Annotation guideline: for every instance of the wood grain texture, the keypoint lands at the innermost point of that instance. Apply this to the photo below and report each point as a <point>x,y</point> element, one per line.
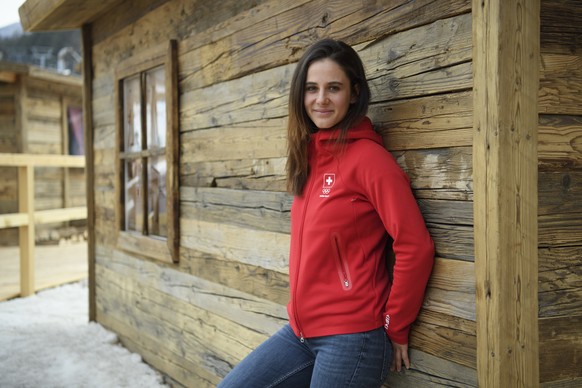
<point>505,68</point>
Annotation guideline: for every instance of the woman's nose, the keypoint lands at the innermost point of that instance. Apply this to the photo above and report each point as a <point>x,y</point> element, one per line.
<point>322,97</point>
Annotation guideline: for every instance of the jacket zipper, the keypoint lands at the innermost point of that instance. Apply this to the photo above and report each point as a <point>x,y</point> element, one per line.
<point>343,271</point>
<point>307,198</point>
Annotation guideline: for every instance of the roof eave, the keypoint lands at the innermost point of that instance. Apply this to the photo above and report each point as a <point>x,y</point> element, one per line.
<point>51,15</point>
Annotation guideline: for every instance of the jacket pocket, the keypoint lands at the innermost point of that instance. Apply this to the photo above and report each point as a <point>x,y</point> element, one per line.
<point>343,270</point>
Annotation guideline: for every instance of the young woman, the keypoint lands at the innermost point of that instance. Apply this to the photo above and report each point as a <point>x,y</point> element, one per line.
<point>348,319</point>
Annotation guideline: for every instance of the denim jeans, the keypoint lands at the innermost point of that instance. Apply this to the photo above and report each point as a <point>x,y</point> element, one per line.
<point>283,361</point>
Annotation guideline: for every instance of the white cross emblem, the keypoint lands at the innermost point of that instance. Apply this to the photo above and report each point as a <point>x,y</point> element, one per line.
<point>328,180</point>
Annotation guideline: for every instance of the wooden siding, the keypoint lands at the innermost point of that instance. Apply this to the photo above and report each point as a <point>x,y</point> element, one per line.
<point>195,320</point>
<point>560,194</point>
<point>229,291</point>
<point>32,120</point>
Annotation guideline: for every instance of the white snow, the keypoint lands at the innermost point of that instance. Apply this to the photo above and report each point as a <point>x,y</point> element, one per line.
<point>47,341</point>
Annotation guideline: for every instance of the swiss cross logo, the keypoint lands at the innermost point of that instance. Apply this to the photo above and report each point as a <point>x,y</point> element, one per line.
<point>328,181</point>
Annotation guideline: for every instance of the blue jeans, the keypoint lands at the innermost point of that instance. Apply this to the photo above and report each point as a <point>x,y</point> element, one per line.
<point>283,361</point>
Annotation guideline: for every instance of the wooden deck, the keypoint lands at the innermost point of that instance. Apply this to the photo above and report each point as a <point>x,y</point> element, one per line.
<point>55,265</point>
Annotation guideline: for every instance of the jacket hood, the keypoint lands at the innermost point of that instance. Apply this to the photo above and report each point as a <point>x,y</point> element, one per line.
<point>362,130</point>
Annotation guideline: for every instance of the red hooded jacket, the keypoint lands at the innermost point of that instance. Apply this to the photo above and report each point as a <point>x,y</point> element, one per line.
<point>353,198</point>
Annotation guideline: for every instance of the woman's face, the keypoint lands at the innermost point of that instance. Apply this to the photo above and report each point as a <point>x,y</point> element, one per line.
<point>328,93</point>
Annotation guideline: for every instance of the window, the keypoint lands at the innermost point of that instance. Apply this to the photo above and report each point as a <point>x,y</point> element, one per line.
<point>147,164</point>
<point>75,131</point>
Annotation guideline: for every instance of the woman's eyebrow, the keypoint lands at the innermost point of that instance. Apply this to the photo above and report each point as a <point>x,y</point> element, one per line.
<point>328,83</point>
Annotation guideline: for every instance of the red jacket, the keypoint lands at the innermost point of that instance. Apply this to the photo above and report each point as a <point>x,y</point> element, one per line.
<point>338,278</point>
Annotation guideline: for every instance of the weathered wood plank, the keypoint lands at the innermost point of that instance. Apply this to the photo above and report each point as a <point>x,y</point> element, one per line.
<point>185,371</point>
<point>443,168</point>
<point>256,209</point>
<point>560,84</point>
<point>426,122</point>
<point>560,208</point>
<point>560,30</point>
<point>215,173</point>
<point>453,241</point>
<point>561,341</point>
<point>188,331</point>
<point>444,342</point>
<point>255,97</point>
<point>268,250</point>
<point>257,314</point>
<point>560,287</point>
<point>451,290</point>
<point>281,40</point>
<point>439,211</point>
<point>560,141</point>
<point>264,93</point>
<point>253,140</point>
<point>250,279</point>
<point>428,371</point>
<point>506,75</point>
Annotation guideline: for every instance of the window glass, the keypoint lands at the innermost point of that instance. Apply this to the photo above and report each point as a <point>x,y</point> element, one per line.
<point>133,196</point>
<point>156,108</point>
<point>75,130</point>
<point>157,215</point>
<point>132,114</point>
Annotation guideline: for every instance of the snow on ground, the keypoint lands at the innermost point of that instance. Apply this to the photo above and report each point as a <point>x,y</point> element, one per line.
<point>46,341</point>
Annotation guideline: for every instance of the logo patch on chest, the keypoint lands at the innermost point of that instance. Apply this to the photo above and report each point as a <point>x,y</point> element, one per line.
<point>328,182</point>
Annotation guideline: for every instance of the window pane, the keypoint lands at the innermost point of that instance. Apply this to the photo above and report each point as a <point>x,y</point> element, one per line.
<point>156,108</point>
<point>131,114</point>
<point>157,215</point>
<point>133,196</point>
<point>75,130</point>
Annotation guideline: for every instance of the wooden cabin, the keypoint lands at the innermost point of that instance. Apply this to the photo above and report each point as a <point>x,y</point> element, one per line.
<point>479,101</point>
<point>41,113</point>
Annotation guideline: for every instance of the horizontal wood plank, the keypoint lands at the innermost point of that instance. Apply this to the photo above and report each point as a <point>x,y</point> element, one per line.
<point>428,371</point>
<point>561,341</point>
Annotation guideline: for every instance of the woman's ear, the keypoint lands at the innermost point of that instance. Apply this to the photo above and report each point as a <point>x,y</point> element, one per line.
<point>355,94</point>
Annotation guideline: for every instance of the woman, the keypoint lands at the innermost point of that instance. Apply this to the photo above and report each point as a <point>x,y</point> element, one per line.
<point>348,322</point>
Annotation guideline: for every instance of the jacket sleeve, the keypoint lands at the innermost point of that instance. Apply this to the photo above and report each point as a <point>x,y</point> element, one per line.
<point>388,189</point>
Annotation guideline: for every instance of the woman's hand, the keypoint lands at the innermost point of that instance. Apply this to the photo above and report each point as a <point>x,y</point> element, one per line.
<point>400,355</point>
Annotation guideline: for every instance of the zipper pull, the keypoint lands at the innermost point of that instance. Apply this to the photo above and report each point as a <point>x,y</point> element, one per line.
<point>301,339</point>
<point>346,283</point>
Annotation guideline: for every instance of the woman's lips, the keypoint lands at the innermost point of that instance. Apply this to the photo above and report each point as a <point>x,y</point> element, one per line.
<point>322,111</point>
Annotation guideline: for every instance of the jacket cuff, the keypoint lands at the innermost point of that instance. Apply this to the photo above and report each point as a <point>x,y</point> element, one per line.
<point>400,336</point>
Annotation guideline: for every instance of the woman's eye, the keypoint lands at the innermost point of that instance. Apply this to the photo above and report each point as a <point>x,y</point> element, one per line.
<point>310,88</point>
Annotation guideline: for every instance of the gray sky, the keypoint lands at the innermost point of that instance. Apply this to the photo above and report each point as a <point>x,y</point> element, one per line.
<point>9,11</point>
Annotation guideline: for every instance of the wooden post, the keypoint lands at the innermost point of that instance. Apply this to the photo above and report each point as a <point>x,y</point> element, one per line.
<point>506,37</point>
<point>89,162</point>
<point>26,232</point>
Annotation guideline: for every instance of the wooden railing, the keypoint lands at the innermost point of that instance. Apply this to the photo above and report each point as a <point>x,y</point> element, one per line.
<point>27,217</point>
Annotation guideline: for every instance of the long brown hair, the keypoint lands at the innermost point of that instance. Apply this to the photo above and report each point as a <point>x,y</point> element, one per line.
<point>300,126</point>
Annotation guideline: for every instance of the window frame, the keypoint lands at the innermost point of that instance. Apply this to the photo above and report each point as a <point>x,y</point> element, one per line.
<point>159,248</point>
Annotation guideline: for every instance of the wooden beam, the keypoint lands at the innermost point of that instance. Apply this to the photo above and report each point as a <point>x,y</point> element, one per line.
<point>13,220</point>
<point>26,232</point>
<point>505,70</point>
<point>60,215</point>
<point>19,160</point>
<point>8,76</point>
<point>43,217</point>
<point>86,35</point>
<point>43,15</point>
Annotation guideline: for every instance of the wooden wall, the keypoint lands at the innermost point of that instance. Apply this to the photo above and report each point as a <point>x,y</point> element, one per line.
<point>560,194</point>
<point>33,120</point>
<point>9,142</point>
<point>195,320</point>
